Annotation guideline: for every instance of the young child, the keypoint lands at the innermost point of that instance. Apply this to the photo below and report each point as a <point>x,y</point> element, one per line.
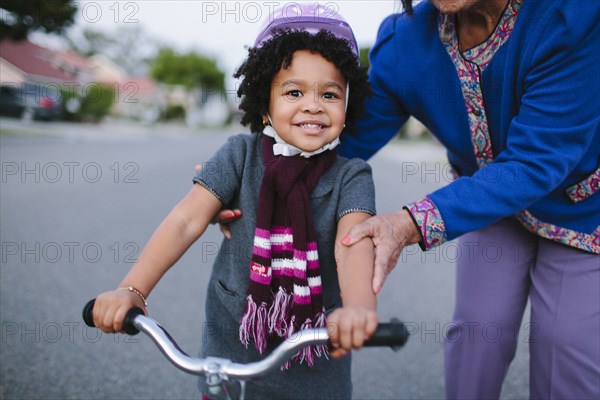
<point>284,269</point>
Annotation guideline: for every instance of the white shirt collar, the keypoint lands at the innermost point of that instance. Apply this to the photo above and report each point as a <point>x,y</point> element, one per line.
<point>287,150</point>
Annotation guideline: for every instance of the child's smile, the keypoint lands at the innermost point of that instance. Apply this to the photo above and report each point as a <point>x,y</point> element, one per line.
<point>307,106</point>
<point>312,127</point>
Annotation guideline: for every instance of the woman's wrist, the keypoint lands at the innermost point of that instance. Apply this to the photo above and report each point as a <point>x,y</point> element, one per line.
<point>413,234</point>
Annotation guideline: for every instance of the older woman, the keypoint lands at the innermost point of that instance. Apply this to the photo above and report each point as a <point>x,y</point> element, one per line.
<point>510,88</point>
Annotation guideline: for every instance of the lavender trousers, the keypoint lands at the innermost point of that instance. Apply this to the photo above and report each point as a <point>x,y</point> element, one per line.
<point>498,270</point>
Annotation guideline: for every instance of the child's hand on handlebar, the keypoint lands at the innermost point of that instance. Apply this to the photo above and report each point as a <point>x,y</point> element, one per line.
<point>349,327</point>
<point>110,309</point>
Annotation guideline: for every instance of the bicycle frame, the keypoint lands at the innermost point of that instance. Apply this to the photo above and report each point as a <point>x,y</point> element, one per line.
<point>221,373</point>
<point>226,379</point>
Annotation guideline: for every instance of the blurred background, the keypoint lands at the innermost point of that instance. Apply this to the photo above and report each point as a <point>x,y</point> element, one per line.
<point>145,61</point>
<point>105,108</point>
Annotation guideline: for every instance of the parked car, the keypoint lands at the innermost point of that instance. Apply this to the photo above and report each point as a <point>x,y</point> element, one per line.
<point>30,101</point>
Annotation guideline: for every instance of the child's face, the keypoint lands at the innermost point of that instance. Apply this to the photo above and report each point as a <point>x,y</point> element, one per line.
<point>308,101</point>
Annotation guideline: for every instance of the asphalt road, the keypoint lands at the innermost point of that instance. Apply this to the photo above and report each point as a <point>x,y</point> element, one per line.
<point>77,204</point>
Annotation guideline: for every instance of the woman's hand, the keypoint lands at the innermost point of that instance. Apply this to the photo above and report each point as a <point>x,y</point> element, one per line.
<point>224,217</point>
<point>390,234</point>
<point>349,327</point>
<point>111,307</point>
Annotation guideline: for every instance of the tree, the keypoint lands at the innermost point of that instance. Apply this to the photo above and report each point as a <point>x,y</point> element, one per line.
<point>89,42</point>
<point>364,57</point>
<point>93,104</point>
<point>97,102</point>
<point>191,70</point>
<point>128,46</point>
<point>19,17</point>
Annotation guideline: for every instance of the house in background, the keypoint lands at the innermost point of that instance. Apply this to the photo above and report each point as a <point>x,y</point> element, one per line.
<point>10,73</point>
<point>75,65</point>
<point>141,98</point>
<point>24,61</point>
<point>51,73</point>
<point>25,65</point>
<point>138,98</point>
<point>31,80</point>
<point>105,70</point>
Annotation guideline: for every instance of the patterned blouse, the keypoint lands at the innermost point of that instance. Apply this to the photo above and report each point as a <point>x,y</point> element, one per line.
<point>470,65</point>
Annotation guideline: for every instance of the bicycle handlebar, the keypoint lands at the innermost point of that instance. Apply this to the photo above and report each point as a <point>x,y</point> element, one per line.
<point>393,334</point>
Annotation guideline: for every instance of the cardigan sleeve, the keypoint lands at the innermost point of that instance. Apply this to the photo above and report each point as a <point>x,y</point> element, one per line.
<point>554,127</point>
<point>384,114</point>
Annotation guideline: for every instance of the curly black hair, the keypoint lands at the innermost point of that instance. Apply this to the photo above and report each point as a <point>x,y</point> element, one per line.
<point>263,63</point>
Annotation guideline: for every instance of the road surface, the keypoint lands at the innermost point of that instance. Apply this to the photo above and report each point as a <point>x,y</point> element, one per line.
<point>78,202</point>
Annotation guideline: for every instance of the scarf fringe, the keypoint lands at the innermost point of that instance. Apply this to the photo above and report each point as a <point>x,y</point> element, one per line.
<point>309,354</point>
<point>258,324</point>
<point>261,335</point>
<point>247,321</point>
<point>278,313</point>
<point>253,325</point>
<point>290,332</point>
<point>321,350</point>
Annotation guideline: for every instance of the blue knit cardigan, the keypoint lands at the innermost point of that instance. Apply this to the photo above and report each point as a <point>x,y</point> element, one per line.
<point>542,100</point>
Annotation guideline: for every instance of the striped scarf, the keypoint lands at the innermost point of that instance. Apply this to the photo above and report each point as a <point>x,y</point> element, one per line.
<point>285,292</point>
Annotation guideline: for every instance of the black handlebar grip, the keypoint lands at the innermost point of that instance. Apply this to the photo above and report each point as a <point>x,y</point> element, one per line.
<point>88,316</point>
<point>393,334</point>
<point>128,326</point>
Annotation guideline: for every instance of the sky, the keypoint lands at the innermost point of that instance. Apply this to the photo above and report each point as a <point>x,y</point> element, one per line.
<point>219,29</point>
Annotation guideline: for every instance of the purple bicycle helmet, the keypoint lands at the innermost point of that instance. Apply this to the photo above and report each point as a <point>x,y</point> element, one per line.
<point>310,18</point>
